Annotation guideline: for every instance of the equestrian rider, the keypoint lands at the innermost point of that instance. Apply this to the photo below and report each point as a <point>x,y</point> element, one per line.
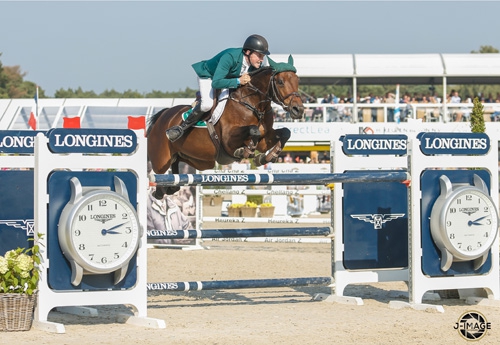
<point>226,70</point>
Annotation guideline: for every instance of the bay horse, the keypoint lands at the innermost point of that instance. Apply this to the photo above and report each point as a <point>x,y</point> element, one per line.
<point>245,126</point>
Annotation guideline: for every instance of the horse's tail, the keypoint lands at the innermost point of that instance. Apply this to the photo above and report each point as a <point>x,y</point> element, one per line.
<point>153,119</point>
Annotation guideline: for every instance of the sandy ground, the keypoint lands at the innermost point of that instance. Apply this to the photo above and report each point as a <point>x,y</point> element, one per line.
<point>265,316</point>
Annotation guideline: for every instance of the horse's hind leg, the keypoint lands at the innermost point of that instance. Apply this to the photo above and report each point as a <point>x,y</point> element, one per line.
<point>161,190</point>
<point>281,136</point>
<point>175,170</point>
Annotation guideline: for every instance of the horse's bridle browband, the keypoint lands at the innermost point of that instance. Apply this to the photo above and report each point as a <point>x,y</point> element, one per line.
<point>274,97</point>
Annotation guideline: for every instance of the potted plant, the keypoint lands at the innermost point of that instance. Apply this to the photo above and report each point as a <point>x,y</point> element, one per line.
<point>249,209</point>
<point>234,210</point>
<point>19,275</point>
<point>266,210</point>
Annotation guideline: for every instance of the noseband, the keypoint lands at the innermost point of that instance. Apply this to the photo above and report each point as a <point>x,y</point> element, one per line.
<point>274,95</point>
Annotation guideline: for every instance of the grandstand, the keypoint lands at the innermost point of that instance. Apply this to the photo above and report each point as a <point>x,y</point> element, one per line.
<point>335,69</point>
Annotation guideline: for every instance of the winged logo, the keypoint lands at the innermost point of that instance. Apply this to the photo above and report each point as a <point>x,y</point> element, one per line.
<point>377,219</point>
<point>25,224</point>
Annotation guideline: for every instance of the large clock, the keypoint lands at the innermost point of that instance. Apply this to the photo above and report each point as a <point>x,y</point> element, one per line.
<point>463,222</point>
<point>99,231</point>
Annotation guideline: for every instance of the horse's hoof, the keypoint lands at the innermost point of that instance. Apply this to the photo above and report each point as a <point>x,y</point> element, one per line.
<point>172,190</point>
<point>158,194</point>
<point>244,152</point>
<point>260,160</point>
<point>238,153</point>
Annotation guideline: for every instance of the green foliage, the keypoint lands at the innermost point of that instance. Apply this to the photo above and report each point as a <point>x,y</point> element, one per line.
<point>13,85</point>
<point>19,271</point>
<point>255,199</point>
<point>476,119</point>
<point>485,50</point>
<point>79,93</point>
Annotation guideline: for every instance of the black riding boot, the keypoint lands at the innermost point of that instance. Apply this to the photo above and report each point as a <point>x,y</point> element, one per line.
<point>176,132</point>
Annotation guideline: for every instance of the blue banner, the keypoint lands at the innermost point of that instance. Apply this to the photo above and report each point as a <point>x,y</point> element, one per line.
<point>433,143</point>
<point>374,144</point>
<point>92,140</point>
<point>22,142</point>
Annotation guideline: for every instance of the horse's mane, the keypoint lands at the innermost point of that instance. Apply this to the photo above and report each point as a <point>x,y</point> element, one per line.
<point>260,70</point>
<point>152,120</point>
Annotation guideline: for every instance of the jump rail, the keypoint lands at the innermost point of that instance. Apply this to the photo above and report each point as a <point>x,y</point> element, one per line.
<point>261,179</point>
<point>279,179</point>
<point>239,284</point>
<point>234,233</point>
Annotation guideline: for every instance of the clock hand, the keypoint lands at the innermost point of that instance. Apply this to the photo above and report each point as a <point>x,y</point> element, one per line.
<point>110,230</point>
<point>476,222</point>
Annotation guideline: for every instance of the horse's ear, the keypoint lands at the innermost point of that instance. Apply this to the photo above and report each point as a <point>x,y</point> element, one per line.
<point>290,59</point>
<point>271,62</point>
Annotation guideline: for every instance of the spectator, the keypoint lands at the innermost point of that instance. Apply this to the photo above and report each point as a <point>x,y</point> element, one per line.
<point>390,98</point>
<point>374,100</point>
<point>164,214</point>
<point>455,98</point>
<point>344,113</point>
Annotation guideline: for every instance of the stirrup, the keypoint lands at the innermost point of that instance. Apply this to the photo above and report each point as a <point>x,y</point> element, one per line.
<point>174,133</point>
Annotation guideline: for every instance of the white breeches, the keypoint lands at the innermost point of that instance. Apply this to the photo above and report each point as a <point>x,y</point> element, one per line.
<point>206,93</point>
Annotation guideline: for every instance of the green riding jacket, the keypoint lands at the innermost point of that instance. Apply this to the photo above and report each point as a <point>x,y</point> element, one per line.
<point>224,68</point>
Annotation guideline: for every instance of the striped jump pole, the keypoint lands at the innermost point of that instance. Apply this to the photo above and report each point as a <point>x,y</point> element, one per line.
<point>236,233</point>
<point>280,179</point>
<point>239,284</point>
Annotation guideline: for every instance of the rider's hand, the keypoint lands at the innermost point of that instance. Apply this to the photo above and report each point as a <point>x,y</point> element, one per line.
<point>244,79</point>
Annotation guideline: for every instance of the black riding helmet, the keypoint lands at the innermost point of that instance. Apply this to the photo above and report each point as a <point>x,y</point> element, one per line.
<point>256,43</point>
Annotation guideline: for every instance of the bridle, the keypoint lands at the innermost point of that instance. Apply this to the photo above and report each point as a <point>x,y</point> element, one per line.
<point>277,96</point>
<point>272,94</point>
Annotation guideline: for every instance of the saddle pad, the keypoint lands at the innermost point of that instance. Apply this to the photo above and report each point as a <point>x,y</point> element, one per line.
<point>217,113</point>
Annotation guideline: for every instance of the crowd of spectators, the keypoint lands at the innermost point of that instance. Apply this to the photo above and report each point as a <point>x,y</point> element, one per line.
<point>341,107</point>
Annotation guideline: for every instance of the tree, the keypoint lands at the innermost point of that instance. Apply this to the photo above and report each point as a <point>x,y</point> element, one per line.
<point>78,93</point>
<point>13,85</point>
<point>476,119</point>
<point>485,50</point>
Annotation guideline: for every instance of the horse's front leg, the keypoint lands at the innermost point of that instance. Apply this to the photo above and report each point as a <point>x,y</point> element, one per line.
<point>272,144</point>
<point>248,151</point>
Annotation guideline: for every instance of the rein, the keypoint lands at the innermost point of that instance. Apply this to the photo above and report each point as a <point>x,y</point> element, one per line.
<point>275,96</point>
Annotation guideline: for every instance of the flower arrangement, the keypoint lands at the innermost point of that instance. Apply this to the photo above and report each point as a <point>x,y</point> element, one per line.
<point>266,210</point>
<point>250,204</point>
<point>19,272</point>
<point>235,206</point>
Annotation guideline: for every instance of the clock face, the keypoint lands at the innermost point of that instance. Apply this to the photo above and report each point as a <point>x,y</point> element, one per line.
<point>471,222</point>
<point>104,231</point>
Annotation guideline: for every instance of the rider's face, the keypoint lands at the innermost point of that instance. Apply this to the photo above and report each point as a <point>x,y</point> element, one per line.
<point>256,59</point>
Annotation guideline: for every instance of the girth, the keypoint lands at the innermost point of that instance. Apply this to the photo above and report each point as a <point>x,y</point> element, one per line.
<point>221,155</point>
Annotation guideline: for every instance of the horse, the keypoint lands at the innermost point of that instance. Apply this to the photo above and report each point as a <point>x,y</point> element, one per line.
<point>245,126</point>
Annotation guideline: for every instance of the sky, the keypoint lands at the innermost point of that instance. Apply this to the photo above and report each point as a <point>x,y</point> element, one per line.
<point>150,45</point>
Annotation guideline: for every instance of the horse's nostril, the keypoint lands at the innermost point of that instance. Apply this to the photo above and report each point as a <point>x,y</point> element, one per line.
<point>299,110</point>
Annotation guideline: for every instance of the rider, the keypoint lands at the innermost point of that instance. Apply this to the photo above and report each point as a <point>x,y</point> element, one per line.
<point>228,69</point>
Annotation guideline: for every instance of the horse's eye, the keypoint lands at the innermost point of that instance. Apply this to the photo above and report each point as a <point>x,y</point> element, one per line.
<point>281,82</point>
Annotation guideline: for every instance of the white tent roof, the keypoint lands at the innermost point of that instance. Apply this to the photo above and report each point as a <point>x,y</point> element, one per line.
<point>396,68</point>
